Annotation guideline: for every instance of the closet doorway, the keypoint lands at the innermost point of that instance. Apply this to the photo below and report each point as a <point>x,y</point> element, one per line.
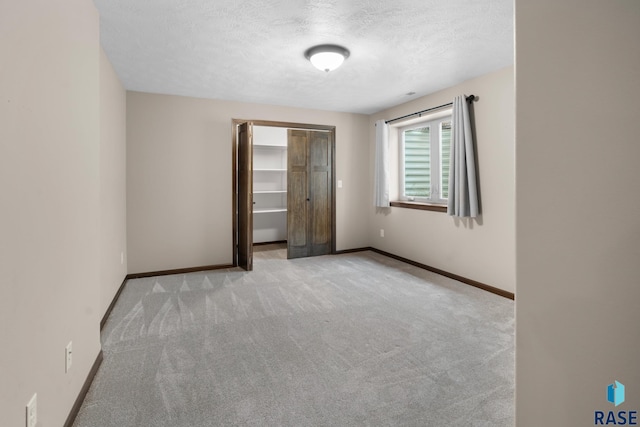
<point>283,188</point>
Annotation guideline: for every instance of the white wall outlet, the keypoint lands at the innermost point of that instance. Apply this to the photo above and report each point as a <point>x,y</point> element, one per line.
<point>68,356</point>
<point>382,232</point>
<point>339,183</point>
<point>121,257</point>
<point>32,411</point>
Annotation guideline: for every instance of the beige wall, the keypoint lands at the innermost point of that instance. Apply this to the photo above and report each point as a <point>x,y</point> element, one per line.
<point>482,249</point>
<point>578,208</point>
<point>113,187</point>
<point>49,204</point>
<point>179,179</point>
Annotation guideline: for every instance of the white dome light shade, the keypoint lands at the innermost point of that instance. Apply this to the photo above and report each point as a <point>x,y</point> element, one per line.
<point>327,57</point>
<point>327,61</point>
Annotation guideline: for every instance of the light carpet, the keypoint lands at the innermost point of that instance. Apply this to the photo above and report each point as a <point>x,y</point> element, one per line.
<point>345,340</point>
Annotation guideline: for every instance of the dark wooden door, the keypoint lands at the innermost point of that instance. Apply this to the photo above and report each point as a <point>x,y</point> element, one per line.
<point>297,193</point>
<point>245,196</point>
<point>320,191</point>
<point>309,193</point>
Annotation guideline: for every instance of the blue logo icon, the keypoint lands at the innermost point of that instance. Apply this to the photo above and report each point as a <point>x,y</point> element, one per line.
<point>615,393</point>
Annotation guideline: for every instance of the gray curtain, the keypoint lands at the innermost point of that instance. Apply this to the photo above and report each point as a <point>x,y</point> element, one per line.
<point>463,191</point>
<point>381,174</point>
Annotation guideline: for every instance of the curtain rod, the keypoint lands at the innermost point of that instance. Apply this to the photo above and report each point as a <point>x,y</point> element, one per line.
<point>469,98</point>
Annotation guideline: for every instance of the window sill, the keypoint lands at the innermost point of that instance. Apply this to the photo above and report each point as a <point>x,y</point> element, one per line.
<point>419,206</point>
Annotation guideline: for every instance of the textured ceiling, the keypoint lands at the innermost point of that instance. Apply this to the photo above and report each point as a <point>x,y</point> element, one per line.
<point>253,50</point>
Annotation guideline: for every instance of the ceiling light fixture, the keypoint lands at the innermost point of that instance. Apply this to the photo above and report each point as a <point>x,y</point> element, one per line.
<point>327,57</point>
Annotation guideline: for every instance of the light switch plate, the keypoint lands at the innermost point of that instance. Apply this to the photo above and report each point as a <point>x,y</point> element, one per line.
<point>68,353</point>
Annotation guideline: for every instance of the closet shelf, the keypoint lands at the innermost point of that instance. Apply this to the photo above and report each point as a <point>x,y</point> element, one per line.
<point>275,147</point>
<point>272,210</point>
<point>269,184</point>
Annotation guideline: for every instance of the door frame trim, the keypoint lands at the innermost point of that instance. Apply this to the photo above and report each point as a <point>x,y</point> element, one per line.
<point>234,172</point>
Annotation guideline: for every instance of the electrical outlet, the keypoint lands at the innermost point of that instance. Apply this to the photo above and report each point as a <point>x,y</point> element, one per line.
<point>32,411</point>
<point>68,360</point>
<point>382,232</point>
<point>121,257</point>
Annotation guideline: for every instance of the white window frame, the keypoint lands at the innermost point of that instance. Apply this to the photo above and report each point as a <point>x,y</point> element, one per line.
<point>434,123</point>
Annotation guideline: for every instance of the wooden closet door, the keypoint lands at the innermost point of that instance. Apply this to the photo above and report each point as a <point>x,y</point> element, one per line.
<point>320,189</point>
<point>245,196</point>
<point>297,193</point>
<point>309,193</point>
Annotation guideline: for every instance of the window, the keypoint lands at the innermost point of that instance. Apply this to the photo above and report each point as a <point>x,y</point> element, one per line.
<point>425,149</point>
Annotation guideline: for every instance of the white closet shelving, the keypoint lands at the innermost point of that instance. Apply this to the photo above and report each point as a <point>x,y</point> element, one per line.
<point>269,184</point>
